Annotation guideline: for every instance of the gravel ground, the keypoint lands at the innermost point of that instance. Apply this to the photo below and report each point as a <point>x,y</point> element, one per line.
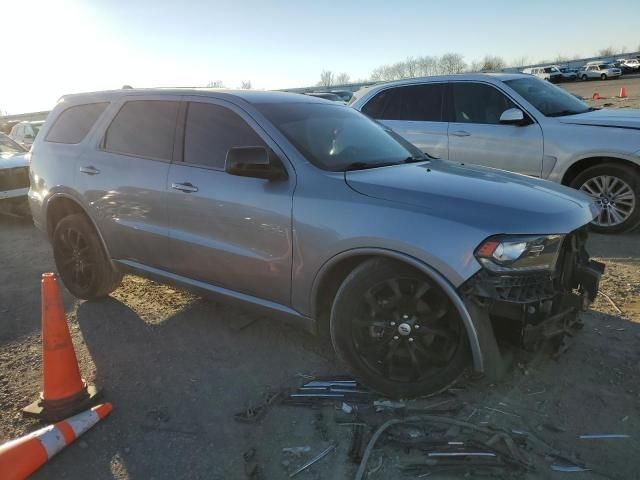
<point>177,367</point>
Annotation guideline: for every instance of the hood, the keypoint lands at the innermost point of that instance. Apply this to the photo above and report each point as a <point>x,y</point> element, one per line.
<point>488,199</point>
<point>11,160</point>
<point>606,117</point>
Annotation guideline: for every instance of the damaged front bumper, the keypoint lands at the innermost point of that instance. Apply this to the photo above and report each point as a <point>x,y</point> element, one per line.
<point>528,308</point>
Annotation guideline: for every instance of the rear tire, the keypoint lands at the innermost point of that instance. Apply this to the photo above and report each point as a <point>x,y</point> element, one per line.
<point>81,261</point>
<point>584,78</point>
<point>373,330</point>
<point>616,189</point>
<point>603,76</point>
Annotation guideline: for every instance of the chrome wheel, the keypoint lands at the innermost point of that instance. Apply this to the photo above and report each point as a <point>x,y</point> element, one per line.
<point>615,199</point>
<point>403,330</point>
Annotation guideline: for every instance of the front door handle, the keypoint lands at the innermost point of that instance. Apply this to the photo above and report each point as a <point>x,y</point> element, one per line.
<point>89,170</point>
<point>184,187</point>
<point>460,133</point>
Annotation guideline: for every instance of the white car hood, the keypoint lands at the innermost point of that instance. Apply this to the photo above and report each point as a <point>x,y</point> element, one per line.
<point>12,160</point>
<point>621,118</point>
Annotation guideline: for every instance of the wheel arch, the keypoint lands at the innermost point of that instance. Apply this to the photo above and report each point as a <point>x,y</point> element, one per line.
<point>61,205</point>
<point>587,162</point>
<point>336,269</point>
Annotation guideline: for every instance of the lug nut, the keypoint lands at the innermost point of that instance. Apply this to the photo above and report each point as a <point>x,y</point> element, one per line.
<point>395,337</point>
<point>416,326</point>
<point>393,324</point>
<point>405,316</point>
<point>411,339</point>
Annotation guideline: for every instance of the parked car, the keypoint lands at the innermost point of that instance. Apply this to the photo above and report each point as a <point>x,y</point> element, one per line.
<point>568,74</point>
<point>624,69</point>
<point>309,209</point>
<point>14,177</point>
<point>518,122</point>
<point>549,73</point>
<point>326,95</point>
<point>25,132</point>
<point>632,64</point>
<point>345,95</point>
<point>603,71</point>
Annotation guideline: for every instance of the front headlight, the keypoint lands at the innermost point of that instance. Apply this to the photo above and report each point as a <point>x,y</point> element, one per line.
<point>519,253</point>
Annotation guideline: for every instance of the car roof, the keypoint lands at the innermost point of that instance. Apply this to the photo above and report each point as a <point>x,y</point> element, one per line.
<point>249,96</point>
<point>459,76</point>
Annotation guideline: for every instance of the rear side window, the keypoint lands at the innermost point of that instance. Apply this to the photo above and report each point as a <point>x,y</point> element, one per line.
<point>414,102</point>
<point>73,124</point>
<point>211,130</point>
<point>143,128</point>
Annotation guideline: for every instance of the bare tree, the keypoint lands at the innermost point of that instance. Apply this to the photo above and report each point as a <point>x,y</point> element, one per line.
<point>342,79</point>
<point>326,78</point>
<point>489,63</point>
<point>520,62</point>
<point>451,63</point>
<point>215,84</point>
<point>606,52</point>
<point>427,65</point>
<point>245,85</point>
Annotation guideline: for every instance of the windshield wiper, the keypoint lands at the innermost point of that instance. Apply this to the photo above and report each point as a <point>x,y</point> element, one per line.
<point>365,165</point>
<point>562,113</point>
<point>415,159</point>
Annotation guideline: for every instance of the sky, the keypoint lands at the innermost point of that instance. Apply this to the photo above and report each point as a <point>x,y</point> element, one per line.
<point>55,47</point>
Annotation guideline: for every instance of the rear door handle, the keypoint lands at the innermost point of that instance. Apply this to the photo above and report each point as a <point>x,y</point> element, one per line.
<point>90,170</point>
<point>184,187</point>
<point>460,133</point>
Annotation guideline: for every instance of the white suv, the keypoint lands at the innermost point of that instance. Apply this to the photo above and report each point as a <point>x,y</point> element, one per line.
<point>550,73</point>
<point>603,71</point>
<point>523,124</point>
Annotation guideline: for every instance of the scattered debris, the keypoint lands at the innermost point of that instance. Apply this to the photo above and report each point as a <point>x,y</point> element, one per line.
<point>346,408</point>
<point>321,392</point>
<point>297,450</point>
<point>554,428</point>
<point>611,302</point>
<point>253,414</point>
<point>603,436</point>
<point>318,457</point>
<point>568,468</point>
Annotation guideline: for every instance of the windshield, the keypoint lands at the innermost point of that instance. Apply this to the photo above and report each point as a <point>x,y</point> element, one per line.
<point>337,138</point>
<point>550,100</point>
<point>9,146</point>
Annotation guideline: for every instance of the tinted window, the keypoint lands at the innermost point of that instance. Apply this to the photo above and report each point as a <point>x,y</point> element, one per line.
<point>478,103</point>
<point>415,102</point>
<point>336,137</point>
<point>73,124</point>
<point>143,128</point>
<point>211,131</point>
<point>375,107</point>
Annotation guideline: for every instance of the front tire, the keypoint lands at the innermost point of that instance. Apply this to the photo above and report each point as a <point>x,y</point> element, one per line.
<point>81,261</point>
<point>398,331</point>
<point>603,76</point>
<point>584,78</point>
<point>616,190</point>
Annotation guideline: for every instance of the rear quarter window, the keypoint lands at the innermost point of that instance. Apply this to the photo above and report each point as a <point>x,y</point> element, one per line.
<point>74,123</point>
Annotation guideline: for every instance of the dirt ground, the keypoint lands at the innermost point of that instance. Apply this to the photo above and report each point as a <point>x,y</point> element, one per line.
<point>177,368</point>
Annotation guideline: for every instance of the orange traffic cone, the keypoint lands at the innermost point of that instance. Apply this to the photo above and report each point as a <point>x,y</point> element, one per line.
<point>623,92</point>
<point>596,96</point>
<point>21,457</point>
<point>64,391</point>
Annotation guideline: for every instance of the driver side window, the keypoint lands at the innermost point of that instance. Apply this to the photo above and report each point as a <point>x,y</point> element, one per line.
<point>478,103</point>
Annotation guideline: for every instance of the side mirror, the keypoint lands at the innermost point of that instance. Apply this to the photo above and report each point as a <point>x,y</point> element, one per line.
<point>512,116</point>
<point>252,162</point>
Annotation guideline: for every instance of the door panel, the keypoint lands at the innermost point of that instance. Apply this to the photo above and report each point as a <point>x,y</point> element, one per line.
<point>430,137</point>
<point>476,135</point>
<point>126,191</point>
<point>226,230</point>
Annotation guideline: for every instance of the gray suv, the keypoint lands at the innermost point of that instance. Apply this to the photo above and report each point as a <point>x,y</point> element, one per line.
<point>309,210</point>
<point>520,123</point>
